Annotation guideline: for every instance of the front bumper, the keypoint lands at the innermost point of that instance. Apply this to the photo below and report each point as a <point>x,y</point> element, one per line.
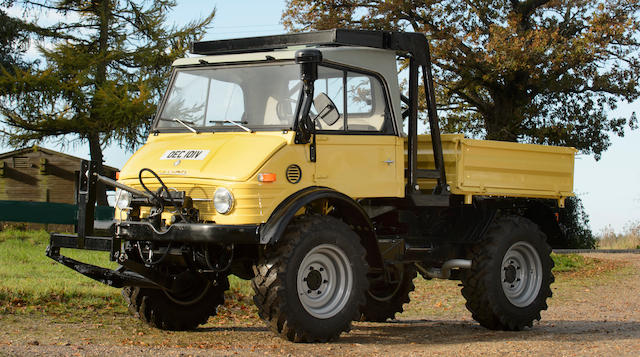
<point>189,233</point>
<point>135,274</point>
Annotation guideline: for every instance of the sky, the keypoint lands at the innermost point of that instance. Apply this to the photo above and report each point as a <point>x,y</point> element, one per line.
<point>609,188</point>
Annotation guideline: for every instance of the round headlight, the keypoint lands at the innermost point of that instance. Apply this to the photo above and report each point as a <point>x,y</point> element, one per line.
<point>223,200</point>
<point>123,199</point>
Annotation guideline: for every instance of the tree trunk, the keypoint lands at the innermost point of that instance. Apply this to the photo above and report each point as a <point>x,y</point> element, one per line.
<point>101,76</point>
<point>501,122</point>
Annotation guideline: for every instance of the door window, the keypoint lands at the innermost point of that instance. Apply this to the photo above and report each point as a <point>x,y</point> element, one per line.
<point>362,106</point>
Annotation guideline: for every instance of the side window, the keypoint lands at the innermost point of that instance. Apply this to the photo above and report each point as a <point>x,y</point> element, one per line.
<point>331,82</point>
<point>359,98</point>
<point>366,105</point>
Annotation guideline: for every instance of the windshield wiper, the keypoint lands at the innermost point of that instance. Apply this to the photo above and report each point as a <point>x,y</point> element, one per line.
<point>184,123</point>
<point>234,123</point>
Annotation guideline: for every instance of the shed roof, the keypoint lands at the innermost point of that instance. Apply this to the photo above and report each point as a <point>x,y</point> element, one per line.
<point>36,148</point>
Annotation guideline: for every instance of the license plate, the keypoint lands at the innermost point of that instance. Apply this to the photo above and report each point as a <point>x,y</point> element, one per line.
<point>185,155</point>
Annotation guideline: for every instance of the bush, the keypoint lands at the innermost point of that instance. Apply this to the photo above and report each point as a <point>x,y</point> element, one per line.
<point>575,223</point>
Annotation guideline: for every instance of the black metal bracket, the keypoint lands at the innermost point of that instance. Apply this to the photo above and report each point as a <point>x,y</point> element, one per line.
<point>116,278</point>
<point>86,200</point>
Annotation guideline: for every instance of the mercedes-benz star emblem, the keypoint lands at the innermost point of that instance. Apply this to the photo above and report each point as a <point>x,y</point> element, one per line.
<point>176,163</point>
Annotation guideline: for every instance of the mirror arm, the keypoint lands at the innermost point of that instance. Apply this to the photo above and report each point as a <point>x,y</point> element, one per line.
<point>312,147</point>
<point>303,130</point>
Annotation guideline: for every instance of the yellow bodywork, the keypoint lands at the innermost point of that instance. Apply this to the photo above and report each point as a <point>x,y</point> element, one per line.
<point>234,161</point>
<point>497,168</point>
<point>359,166</point>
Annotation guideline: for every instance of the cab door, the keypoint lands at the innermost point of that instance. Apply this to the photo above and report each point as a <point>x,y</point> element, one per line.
<point>358,155</point>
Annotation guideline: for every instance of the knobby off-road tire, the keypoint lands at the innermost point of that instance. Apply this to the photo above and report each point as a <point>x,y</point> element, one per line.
<point>311,284</point>
<point>510,276</point>
<point>164,311</point>
<point>384,300</point>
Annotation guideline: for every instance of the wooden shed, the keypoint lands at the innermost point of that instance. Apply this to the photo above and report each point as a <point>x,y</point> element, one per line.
<point>41,175</point>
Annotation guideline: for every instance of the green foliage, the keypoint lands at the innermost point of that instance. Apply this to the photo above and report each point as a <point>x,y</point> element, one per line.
<point>523,70</point>
<point>575,223</point>
<point>102,76</point>
<point>13,39</point>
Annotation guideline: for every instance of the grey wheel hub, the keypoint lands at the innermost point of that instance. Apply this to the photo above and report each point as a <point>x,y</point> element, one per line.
<point>324,281</point>
<point>521,274</point>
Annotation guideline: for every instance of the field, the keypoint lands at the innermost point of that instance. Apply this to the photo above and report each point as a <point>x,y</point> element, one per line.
<point>628,239</point>
<point>49,309</point>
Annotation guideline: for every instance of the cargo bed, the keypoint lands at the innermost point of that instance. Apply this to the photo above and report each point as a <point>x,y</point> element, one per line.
<point>497,168</point>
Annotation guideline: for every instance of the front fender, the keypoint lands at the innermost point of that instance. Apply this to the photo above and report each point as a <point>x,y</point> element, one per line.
<point>346,209</point>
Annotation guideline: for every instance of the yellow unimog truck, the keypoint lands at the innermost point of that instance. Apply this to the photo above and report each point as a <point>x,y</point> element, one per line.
<point>284,160</point>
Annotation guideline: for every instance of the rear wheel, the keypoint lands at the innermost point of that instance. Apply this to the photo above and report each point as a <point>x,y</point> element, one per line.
<point>510,276</point>
<point>386,297</point>
<point>311,284</point>
<point>184,311</point>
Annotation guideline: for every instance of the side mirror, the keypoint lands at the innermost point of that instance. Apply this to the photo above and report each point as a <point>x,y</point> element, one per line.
<point>326,109</point>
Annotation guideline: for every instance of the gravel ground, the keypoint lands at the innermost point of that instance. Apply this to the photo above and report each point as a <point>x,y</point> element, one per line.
<point>596,315</point>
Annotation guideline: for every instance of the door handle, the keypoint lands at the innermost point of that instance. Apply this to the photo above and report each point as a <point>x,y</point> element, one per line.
<point>388,161</point>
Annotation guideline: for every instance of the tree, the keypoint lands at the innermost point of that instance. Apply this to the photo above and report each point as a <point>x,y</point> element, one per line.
<point>13,39</point>
<point>107,66</point>
<point>539,71</point>
<point>574,221</point>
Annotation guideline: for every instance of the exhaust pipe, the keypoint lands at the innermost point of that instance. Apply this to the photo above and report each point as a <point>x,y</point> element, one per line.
<point>445,271</point>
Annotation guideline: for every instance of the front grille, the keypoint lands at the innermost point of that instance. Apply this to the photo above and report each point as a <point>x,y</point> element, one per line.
<point>294,174</point>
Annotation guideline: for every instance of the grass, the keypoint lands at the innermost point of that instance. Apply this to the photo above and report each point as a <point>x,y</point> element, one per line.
<point>32,283</point>
<point>628,239</point>
<point>570,262</point>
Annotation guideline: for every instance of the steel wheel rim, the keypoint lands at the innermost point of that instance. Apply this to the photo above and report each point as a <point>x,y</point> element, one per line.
<point>324,281</point>
<point>521,274</point>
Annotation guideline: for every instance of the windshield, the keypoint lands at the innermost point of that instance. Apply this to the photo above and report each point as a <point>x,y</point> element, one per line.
<point>257,96</point>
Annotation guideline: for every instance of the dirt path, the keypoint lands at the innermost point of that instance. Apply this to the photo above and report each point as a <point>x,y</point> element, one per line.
<point>597,315</point>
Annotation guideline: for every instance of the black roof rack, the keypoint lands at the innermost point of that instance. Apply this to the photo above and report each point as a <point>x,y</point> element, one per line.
<point>404,42</point>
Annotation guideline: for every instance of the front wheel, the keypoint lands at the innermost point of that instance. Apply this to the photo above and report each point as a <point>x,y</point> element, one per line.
<point>184,311</point>
<point>311,284</point>
<point>510,276</point>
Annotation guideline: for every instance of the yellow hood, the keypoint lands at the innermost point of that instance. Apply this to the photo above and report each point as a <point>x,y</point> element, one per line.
<point>222,156</point>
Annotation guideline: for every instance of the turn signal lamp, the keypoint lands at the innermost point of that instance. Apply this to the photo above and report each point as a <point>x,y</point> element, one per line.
<point>266,177</point>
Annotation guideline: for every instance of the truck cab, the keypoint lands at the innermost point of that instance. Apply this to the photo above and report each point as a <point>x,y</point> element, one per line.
<point>228,123</point>
<point>284,160</point>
